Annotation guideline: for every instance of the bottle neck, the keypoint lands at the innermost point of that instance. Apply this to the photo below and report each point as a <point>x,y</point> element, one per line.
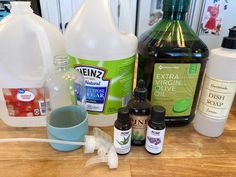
<point>21,7</point>
<point>141,99</point>
<point>61,62</point>
<point>174,15</point>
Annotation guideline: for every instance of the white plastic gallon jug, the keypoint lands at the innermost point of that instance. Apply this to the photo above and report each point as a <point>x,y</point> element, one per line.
<point>28,44</point>
<point>105,56</point>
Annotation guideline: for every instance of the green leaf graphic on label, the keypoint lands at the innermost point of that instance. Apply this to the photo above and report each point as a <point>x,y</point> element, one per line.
<point>137,136</point>
<point>124,142</point>
<point>182,105</point>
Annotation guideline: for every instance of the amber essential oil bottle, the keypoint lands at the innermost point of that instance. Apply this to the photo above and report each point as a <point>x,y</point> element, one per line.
<point>156,131</point>
<point>139,108</point>
<point>122,132</point>
<point>172,61</point>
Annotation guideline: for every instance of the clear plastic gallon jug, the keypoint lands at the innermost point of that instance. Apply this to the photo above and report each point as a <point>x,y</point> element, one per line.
<point>105,56</point>
<point>28,44</point>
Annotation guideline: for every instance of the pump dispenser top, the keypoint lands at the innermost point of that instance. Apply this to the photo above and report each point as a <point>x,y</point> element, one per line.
<point>229,42</point>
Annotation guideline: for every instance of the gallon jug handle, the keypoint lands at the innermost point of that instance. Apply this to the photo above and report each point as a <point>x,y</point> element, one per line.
<point>44,48</point>
<point>125,15</point>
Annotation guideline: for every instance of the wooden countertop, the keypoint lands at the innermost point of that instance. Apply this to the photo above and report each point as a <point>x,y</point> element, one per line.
<point>186,153</point>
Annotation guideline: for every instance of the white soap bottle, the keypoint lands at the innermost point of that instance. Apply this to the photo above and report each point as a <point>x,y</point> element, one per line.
<point>105,56</point>
<point>218,90</point>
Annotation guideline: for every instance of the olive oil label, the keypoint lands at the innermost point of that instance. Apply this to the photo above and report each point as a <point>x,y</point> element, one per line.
<point>139,127</point>
<point>216,98</point>
<point>122,140</point>
<point>174,87</point>
<point>108,83</point>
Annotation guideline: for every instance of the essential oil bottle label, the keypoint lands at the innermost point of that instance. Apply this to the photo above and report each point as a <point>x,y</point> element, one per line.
<point>25,102</point>
<point>122,140</point>
<point>139,128</point>
<point>154,140</point>
<point>108,83</point>
<point>216,98</point>
<point>174,87</point>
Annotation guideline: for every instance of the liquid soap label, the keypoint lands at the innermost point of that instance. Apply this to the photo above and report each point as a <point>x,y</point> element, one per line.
<point>174,87</point>
<point>216,98</point>
<point>108,83</point>
<point>25,102</point>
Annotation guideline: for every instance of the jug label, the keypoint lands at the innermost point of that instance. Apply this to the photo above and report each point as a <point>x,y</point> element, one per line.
<point>216,98</point>
<point>108,83</point>
<point>25,102</point>
<point>174,87</point>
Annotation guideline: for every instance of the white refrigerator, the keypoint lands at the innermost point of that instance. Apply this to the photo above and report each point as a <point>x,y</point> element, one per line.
<point>149,13</point>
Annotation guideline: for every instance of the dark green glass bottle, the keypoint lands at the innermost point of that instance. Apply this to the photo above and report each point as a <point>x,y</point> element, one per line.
<point>172,61</point>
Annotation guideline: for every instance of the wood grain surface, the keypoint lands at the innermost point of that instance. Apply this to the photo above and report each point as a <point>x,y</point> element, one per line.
<point>186,153</point>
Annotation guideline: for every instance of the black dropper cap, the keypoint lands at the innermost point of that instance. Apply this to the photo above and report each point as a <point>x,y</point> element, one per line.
<point>175,5</point>
<point>158,115</point>
<point>140,92</point>
<point>230,41</point>
<point>123,114</point>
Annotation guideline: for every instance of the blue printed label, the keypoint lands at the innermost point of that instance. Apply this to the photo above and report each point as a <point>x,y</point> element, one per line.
<point>96,87</point>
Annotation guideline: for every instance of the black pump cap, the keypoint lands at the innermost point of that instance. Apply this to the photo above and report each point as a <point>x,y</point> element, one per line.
<point>140,92</point>
<point>175,5</point>
<point>158,114</point>
<point>123,114</point>
<point>230,41</point>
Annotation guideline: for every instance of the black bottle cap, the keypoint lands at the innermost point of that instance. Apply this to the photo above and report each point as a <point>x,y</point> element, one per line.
<point>229,42</point>
<point>140,92</point>
<point>175,5</point>
<point>123,114</point>
<point>158,114</point>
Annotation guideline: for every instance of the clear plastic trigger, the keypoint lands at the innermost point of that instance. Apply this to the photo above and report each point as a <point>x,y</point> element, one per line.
<point>101,141</point>
<point>110,158</point>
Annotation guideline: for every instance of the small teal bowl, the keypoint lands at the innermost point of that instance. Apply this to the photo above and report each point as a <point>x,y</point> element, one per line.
<point>69,123</point>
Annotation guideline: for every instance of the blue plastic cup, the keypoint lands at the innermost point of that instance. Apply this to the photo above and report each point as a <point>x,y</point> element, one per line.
<point>69,123</point>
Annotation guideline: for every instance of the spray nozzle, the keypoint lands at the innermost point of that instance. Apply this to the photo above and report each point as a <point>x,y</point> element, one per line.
<point>110,158</point>
<point>102,142</point>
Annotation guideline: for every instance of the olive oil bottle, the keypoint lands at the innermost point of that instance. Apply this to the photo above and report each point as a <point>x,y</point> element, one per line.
<point>172,61</point>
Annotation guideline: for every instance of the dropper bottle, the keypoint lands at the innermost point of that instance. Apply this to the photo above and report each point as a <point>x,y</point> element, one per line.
<point>139,108</point>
